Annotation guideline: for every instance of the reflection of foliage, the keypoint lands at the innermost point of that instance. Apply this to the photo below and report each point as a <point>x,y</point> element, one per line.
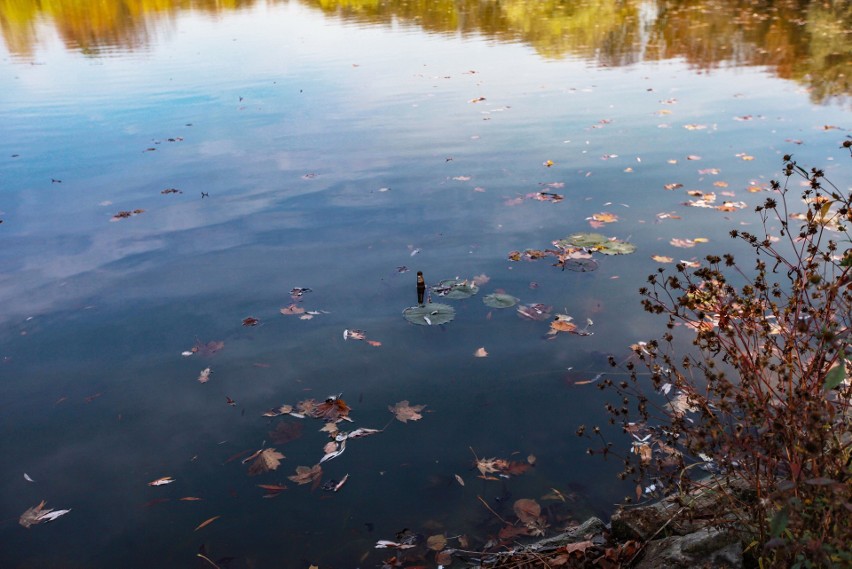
<point>804,40</point>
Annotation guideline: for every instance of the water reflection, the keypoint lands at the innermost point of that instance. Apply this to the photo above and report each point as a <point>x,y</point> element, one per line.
<point>804,40</point>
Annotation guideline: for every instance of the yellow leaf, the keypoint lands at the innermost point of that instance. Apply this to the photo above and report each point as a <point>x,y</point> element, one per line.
<point>662,259</point>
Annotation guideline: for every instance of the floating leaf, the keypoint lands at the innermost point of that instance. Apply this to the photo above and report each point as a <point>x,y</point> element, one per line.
<point>306,474</point>
<point>527,510</point>
<point>605,217</point>
<point>207,522</point>
<point>204,376</point>
<point>455,289</point>
<point>480,353</point>
<point>436,542</point>
<point>264,460</point>
<point>292,309</point>
<point>432,314</point>
<point>562,323</point>
<point>250,321</point>
<point>581,240</point>
<point>405,412</point>
<point>616,247</point>
<point>534,311</point>
<point>500,300</point>
<point>37,514</point>
<point>161,481</point>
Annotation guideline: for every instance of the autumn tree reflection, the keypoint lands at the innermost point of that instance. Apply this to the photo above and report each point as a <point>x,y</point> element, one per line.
<point>809,41</point>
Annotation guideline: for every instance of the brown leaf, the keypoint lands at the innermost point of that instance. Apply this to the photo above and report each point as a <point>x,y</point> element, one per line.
<point>207,349</point>
<point>292,309</point>
<point>31,516</point>
<point>207,522</point>
<point>527,510</point>
<point>264,461</point>
<point>511,532</point>
<point>436,542</point>
<point>405,412</point>
<point>250,321</point>
<point>580,546</point>
<point>332,409</point>
<point>306,474</point>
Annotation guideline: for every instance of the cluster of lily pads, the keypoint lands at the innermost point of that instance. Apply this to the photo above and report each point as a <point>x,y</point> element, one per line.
<point>436,313</point>
<point>575,251</point>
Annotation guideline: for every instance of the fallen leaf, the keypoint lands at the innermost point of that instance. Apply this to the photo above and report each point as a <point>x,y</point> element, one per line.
<point>161,481</point>
<point>190,499</point>
<point>662,259</point>
<point>459,479</point>
<point>207,522</point>
<point>403,412</point>
<point>250,321</point>
<point>527,510</point>
<point>207,349</point>
<point>37,514</point>
<point>264,460</point>
<point>436,542</point>
<point>306,474</point>
<point>374,343</point>
<point>292,309</point>
<point>204,376</point>
<point>480,353</point>
<point>354,334</point>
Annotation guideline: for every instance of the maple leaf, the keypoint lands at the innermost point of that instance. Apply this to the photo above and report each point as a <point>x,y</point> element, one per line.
<point>405,413</point>
<point>562,323</point>
<point>264,460</point>
<point>306,474</point>
<point>332,409</point>
<point>37,514</point>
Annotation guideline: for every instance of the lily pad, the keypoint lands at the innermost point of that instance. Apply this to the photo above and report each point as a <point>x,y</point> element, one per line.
<point>580,265</point>
<point>617,248</point>
<point>500,300</point>
<point>455,289</point>
<point>432,314</point>
<point>581,240</point>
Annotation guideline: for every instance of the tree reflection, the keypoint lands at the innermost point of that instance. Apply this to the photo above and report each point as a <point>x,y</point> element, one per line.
<point>805,40</point>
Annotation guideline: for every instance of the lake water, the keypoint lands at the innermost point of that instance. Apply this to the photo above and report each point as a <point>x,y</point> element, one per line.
<point>342,147</point>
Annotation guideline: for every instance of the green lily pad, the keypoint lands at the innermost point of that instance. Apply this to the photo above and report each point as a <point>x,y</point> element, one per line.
<point>432,314</point>
<point>617,248</point>
<point>581,240</point>
<point>455,289</point>
<point>500,300</point>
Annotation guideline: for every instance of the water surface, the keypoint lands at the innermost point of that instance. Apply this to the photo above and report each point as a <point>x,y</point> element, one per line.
<point>327,145</point>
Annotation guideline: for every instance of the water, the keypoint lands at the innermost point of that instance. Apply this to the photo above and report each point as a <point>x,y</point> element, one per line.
<point>326,148</point>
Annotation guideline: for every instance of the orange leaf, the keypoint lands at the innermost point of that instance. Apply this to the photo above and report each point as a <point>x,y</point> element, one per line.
<point>207,522</point>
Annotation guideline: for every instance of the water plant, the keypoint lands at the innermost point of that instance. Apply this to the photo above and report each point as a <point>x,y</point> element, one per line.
<point>746,394</point>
